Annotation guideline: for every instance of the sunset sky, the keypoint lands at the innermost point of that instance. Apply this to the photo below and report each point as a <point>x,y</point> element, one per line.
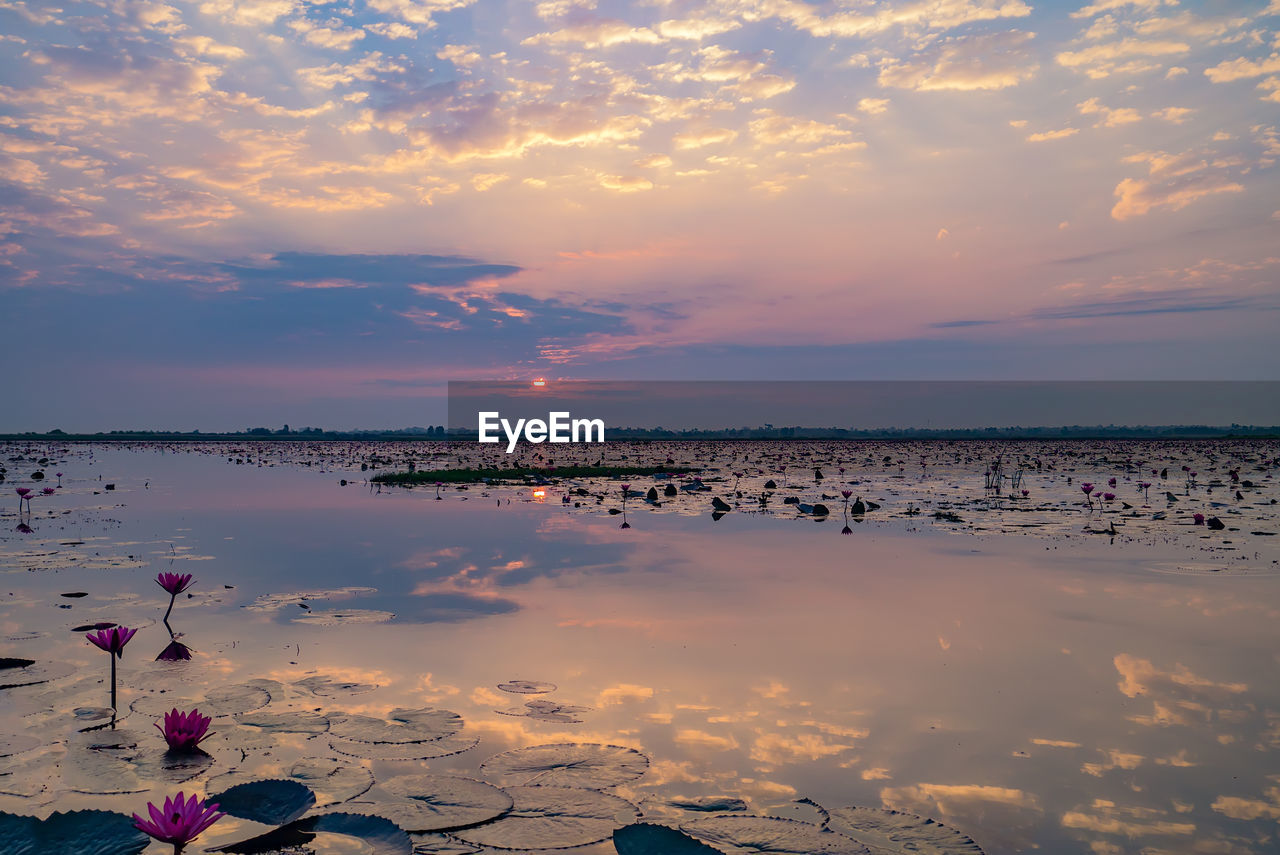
<point>222,214</point>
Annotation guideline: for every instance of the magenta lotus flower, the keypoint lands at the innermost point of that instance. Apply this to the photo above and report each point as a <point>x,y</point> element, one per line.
<point>846,530</point>
<point>1087,488</point>
<point>1110,497</point>
<point>1198,519</point>
<point>846,493</point>
<point>184,731</point>
<point>1111,482</point>
<point>174,583</point>
<point>22,491</point>
<point>112,640</point>
<point>1026,493</point>
<point>626,487</point>
<point>180,821</point>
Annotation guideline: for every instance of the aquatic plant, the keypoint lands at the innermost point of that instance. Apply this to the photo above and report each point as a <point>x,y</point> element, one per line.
<point>112,641</point>
<point>180,821</point>
<point>184,731</point>
<point>23,493</point>
<point>1087,489</point>
<point>174,584</point>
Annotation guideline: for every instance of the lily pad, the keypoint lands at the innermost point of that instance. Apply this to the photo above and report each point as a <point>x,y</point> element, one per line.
<point>270,802</point>
<point>17,743</point>
<point>340,617</point>
<point>439,802</point>
<point>645,838</point>
<point>446,747</point>
<point>106,762</point>
<point>541,710</point>
<point>433,843</point>
<point>747,835</point>
<point>77,832</point>
<point>890,832</point>
<point>327,687</point>
<point>217,702</point>
<point>15,674</point>
<point>331,780</point>
<point>585,765</point>
<point>553,818</point>
<point>527,687</point>
<point>332,832</point>
<point>291,722</point>
<point>400,726</point>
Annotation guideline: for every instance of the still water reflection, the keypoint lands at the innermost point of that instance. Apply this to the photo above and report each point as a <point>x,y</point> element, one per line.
<point>1029,692</point>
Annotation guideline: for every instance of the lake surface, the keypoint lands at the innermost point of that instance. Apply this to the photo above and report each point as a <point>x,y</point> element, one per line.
<point>1014,671</point>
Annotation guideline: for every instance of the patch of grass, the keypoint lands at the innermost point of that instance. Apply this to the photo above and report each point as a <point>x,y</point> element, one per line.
<point>475,476</point>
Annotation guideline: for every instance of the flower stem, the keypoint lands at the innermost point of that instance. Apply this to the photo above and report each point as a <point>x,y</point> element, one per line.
<point>112,656</point>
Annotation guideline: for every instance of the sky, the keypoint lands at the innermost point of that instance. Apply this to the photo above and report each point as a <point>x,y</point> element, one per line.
<point>233,213</point>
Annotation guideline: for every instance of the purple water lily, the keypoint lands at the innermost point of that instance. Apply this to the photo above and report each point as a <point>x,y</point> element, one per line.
<point>184,731</point>
<point>112,641</point>
<point>179,821</point>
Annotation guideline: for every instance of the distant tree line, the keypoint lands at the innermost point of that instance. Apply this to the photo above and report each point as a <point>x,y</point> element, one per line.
<point>767,432</point>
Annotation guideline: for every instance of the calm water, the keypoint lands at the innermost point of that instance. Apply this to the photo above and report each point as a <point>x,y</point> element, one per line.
<point>1059,690</point>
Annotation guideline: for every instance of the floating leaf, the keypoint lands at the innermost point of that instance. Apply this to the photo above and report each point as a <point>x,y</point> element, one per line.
<point>553,711</point>
<point>804,810</point>
<point>18,743</point>
<point>327,687</point>
<point>646,839</point>
<point>332,832</point>
<point>273,602</point>
<point>270,802</point>
<point>746,835</point>
<point>553,818</point>
<point>401,725</point>
<point>585,765</point>
<point>527,687</point>
<point>291,722</point>
<point>331,780</point>
<point>441,844</point>
<point>446,747</point>
<point>33,673</point>
<point>121,761</point>
<point>78,832</point>
<point>337,617</point>
<point>890,832</point>
<point>439,802</point>
<point>710,804</point>
<point>217,702</point>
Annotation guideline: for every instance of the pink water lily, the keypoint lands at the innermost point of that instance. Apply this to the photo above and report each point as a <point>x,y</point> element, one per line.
<point>1197,519</point>
<point>179,821</point>
<point>112,640</point>
<point>184,731</point>
<point>174,583</point>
